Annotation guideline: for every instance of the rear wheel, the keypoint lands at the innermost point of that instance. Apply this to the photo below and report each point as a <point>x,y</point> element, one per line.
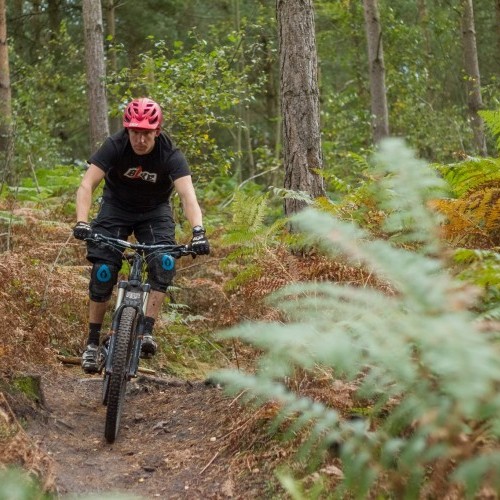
<point>117,382</point>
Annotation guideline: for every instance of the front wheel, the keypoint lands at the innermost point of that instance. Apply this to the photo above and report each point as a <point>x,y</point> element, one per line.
<point>117,382</point>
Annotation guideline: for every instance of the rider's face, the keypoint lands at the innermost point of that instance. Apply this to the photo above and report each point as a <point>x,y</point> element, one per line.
<point>142,140</point>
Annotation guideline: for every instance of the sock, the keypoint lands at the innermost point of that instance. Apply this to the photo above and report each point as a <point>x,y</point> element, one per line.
<point>94,333</point>
<point>148,325</point>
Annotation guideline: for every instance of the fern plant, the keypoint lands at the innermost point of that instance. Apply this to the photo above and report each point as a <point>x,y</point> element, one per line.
<point>472,219</point>
<point>492,121</point>
<point>482,268</point>
<point>472,209</point>
<point>249,237</point>
<point>428,376</point>
<point>46,186</point>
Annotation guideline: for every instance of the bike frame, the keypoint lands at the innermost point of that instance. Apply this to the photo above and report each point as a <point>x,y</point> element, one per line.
<point>133,292</point>
<point>127,323</point>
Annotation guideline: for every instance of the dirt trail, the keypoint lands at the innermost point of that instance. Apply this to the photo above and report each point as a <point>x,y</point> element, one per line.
<point>173,440</point>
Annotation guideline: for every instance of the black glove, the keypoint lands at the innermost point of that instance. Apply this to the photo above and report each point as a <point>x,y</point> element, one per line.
<point>199,242</point>
<point>82,230</point>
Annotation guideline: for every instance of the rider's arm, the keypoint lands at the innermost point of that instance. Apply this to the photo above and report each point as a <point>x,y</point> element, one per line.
<point>192,211</point>
<point>91,179</point>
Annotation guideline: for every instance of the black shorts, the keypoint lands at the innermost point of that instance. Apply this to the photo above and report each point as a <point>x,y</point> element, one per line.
<point>155,226</point>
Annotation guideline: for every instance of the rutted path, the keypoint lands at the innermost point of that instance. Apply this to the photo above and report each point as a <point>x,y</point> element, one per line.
<point>173,440</point>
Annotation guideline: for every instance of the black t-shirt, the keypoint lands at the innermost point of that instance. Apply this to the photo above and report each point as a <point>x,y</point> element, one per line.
<point>139,182</point>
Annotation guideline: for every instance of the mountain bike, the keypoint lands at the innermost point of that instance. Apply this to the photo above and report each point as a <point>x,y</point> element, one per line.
<point>119,352</point>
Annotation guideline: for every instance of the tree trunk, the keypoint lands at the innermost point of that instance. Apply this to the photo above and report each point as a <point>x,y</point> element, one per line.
<point>423,19</point>
<point>5,89</point>
<point>111,31</point>
<point>238,163</point>
<point>55,10</point>
<point>299,100</point>
<point>17,21</point>
<point>472,76</point>
<point>36,25</point>
<point>115,122</point>
<point>378,93</point>
<point>497,30</point>
<point>96,72</point>
<point>272,110</point>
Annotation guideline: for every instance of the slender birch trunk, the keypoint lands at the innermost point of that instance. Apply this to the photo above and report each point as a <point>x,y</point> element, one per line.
<point>378,92</point>
<point>115,122</point>
<point>5,88</point>
<point>472,75</point>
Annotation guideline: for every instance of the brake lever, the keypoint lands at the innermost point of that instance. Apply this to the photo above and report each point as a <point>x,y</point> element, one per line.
<point>189,251</point>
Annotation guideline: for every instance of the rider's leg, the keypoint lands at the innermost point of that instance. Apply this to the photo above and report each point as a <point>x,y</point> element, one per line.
<point>155,302</point>
<point>154,306</point>
<point>115,222</point>
<point>97,310</point>
<point>106,265</point>
<point>157,227</point>
<point>102,280</point>
<point>90,355</point>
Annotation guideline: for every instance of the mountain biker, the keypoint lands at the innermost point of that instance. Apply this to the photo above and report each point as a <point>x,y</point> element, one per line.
<point>140,167</point>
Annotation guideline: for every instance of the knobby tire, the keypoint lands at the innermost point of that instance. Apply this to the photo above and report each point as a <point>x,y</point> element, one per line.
<point>105,389</point>
<point>118,378</point>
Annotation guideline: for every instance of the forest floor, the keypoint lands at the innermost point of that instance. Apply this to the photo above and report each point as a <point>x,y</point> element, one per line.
<point>174,440</point>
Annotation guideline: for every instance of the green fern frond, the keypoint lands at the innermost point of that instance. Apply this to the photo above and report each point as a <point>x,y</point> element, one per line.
<point>492,121</point>
<point>482,268</point>
<point>249,236</point>
<point>362,195</point>
<point>178,307</point>
<point>48,185</point>
<point>470,174</point>
<point>238,254</point>
<point>239,237</point>
<point>468,255</point>
<point>326,205</point>
<point>277,226</point>
<point>249,212</point>
<point>249,228</point>
<point>7,217</point>
<point>290,194</point>
<point>335,183</point>
<point>250,272</point>
<point>262,389</point>
<point>360,161</point>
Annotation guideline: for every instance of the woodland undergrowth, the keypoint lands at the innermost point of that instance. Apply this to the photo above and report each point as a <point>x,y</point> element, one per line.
<point>371,330</point>
<point>421,367</point>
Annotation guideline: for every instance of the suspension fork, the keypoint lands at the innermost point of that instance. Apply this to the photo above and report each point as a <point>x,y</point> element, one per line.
<point>135,277</point>
<point>140,304</point>
<point>139,332</point>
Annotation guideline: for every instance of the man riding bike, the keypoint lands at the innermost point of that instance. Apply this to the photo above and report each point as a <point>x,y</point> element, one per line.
<point>141,167</point>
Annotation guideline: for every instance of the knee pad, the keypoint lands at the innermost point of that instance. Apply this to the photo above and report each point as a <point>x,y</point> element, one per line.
<point>102,280</point>
<point>161,272</point>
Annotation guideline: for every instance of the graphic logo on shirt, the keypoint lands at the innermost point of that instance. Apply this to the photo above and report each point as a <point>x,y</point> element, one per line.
<point>138,173</point>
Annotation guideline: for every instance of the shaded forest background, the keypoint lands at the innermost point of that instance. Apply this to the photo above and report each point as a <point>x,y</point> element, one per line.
<point>159,47</point>
<point>406,231</point>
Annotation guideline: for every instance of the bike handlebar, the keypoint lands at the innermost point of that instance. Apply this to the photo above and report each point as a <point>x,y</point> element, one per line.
<point>174,250</point>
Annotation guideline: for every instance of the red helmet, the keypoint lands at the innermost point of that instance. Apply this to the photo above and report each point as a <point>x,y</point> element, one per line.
<point>142,113</point>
